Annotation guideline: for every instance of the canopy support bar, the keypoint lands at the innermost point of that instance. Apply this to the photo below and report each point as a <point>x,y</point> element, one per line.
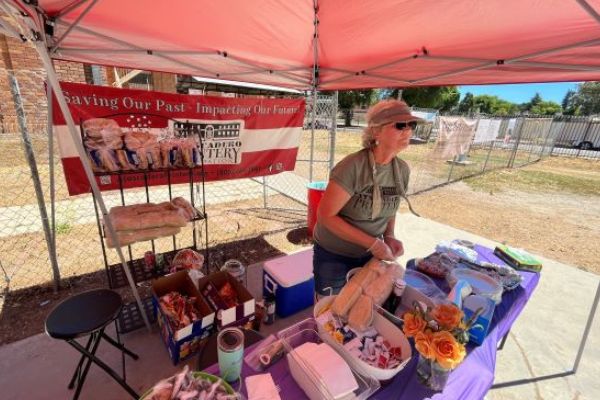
<point>592,42</point>
<point>73,25</point>
<point>589,9</point>
<point>70,8</point>
<point>575,67</point>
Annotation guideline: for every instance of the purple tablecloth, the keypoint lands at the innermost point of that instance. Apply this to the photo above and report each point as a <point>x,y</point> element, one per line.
<point>471,380</point>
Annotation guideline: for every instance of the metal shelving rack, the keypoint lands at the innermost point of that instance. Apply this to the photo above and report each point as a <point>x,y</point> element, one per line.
<point>131,318</point>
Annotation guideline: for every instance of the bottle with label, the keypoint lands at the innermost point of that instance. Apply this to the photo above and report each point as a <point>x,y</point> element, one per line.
<point>395,298</point>
<point>270,309</point>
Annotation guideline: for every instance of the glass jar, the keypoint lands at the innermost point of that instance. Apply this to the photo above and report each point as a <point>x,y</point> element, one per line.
<point>236,269</point>
<point>431,374</point>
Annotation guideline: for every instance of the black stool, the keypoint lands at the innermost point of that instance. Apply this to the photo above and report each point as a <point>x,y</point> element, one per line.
<point>84,314</point>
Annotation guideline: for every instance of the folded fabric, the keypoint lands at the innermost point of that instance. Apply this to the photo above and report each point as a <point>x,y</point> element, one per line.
<point>261,387</point>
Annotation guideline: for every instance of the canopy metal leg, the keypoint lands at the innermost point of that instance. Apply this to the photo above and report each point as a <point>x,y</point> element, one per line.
<point>53,80</point>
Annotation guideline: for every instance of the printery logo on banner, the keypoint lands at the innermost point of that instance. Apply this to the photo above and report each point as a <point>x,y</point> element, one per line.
<point>134,138</point>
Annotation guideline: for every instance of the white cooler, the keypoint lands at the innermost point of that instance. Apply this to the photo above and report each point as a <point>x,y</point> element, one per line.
<point>291,279</point>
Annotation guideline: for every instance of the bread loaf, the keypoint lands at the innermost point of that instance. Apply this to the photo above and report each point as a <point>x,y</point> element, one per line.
<point>125,238</point>
<point>361,314</point>
<point>376,265</point>
<point>346,299</point>
<point>379,289</point>
<point>364,277</point>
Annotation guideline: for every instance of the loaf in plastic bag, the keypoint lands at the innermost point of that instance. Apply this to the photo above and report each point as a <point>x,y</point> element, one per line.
<point>376,265</point>
<point>379,290</point>
<point>346,299</point>
<point>361,314</point>
<point>364,277</point>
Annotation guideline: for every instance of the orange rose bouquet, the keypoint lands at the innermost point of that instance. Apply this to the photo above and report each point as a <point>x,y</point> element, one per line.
<point>440,335</point>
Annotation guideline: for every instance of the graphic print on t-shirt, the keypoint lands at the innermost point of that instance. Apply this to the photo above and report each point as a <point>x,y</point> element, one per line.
<point>364,201</point>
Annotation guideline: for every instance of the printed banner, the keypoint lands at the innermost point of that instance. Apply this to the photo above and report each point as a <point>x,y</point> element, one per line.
<point>487,130</point>
<point>134,137</point>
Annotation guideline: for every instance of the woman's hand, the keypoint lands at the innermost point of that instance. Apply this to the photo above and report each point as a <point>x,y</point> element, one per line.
<point>381,250</point>
<point>395,245</point>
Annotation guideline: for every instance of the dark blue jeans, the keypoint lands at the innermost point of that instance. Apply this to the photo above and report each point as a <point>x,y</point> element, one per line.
<point>330,269</point>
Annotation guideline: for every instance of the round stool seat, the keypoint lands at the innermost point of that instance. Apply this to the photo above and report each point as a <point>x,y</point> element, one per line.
<point>83,314</point>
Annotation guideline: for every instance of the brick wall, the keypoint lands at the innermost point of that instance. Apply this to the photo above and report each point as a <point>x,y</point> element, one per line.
<point>30,76</point>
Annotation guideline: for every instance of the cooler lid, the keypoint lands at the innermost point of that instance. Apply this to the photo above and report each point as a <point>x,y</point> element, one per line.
<point>292,269</point>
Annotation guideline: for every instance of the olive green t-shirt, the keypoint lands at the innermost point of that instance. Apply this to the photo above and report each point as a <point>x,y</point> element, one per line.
<point>356,177</point>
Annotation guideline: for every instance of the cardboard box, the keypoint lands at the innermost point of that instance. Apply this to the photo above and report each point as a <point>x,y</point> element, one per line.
<point>183,342</point>
<point>233,316</point>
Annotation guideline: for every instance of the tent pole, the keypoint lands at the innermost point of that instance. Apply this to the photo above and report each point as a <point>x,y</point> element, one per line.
<point>51,170</point>
<point>315,83</point>
<point>333,131</point>
<point>30,156</point>
<point>53,80</point>
<point>588,327</point>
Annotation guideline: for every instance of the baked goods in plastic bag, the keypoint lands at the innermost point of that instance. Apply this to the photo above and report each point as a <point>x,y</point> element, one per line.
<point>346,298</point>
<point>187,259</point>
<point>364,277</point>
<point>361,315</point>
<point>381,288</point>
<point>376,265</point>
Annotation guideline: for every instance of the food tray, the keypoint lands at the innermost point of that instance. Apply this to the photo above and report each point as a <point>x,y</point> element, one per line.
<point>202,375</point>
<point>307,331</point>
<point>384,327</point>
<point>482,284</point>
<point>423,284</point>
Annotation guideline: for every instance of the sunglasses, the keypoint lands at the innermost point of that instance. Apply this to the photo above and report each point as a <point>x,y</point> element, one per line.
<point>403,125</point>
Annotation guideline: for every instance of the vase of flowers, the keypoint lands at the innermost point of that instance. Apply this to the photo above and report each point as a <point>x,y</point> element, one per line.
<point>440,335</point>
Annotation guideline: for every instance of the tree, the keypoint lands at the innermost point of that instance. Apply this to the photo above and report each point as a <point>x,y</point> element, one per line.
<point>442,98</point>
<point>569,103</point>
<point>467,104</point>
<point>348,99</point>
<point>546,108</point>
<point>587,98</point>
<point>535,100</point>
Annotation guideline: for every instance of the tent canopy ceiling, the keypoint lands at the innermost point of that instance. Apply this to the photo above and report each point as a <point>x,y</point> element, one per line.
<point>359,43</point>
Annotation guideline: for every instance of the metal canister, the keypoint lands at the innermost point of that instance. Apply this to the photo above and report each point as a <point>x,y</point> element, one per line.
<point>230,351</point>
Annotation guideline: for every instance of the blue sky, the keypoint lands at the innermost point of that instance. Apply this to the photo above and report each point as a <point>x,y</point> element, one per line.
<point>522,92</point>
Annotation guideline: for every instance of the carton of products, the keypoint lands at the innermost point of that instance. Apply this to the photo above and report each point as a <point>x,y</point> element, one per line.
<point>228,312</point>
<point>183,342</point>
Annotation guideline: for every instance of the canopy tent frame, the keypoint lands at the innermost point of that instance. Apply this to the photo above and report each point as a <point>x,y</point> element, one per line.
<point>34,31</point>
<point>36,38</point>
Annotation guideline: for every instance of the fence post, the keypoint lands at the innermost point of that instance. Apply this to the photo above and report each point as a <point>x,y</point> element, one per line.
<point>30,156</point>
<point>264,185</point>
<point>312,134</point>
<point>511,159</point>
<point>553,145</point>
<point>488,156</point>
<point>333,131</point>
<point>585,135</point>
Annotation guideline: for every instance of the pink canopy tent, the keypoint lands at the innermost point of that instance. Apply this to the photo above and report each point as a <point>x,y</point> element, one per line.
<point>355,44</point>
<point>318,44</point>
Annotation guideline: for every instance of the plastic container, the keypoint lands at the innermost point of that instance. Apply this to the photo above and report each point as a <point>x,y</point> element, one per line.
<point>290,279</point>
<point>384,327</point>
<point>306,331</point>
<point>236,269</point>
<point>482,284</point>
<point>315,194</point>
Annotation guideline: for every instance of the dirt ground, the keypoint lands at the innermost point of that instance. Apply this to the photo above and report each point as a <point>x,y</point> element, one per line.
<point>550,208</point>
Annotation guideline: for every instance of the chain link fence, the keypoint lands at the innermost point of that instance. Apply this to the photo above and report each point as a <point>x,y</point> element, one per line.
<point>237,209</point>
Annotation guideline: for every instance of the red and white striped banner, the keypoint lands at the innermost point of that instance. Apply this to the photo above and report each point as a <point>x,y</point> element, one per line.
<point>236,137</point>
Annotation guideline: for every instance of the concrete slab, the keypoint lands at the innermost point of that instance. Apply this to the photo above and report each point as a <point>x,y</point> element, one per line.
<point>543,341</point>
<point>545,338</point>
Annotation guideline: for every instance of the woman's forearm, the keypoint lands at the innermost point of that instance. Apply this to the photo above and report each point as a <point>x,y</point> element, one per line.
<point>344,230</point>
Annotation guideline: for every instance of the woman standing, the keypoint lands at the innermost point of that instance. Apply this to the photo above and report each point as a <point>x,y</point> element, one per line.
<point>356,216</point>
